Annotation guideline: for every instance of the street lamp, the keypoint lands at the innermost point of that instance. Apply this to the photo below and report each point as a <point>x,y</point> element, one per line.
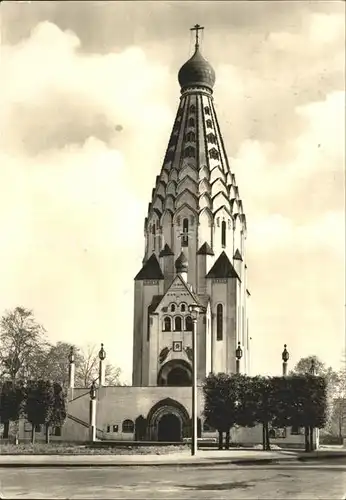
<point>102,353</point>
<point>285,357</point>
<point>194,309</point>
<point>238,355</point>
<point>92,423</point>
<point>71,355</point>
<point>92,391</point>
<point>102,367</point>
<point>71,371</point>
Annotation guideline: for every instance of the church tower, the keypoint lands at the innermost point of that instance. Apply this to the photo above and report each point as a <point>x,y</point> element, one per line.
<point>195,236</point>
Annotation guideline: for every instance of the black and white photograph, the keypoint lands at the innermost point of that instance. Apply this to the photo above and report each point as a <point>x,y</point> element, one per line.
<point>172,249</point>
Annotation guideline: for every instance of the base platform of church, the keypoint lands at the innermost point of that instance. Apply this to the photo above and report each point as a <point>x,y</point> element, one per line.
<point>156,414</point>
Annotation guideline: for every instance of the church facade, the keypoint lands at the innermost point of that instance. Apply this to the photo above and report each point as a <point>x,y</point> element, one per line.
<point>195,254</point>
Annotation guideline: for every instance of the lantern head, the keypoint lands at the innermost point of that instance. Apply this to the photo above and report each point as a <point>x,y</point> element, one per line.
<point>71,355</point>
<point>285,354</point>
<point>102,353</point>
<point>92,391</point>
<point>238,352</point>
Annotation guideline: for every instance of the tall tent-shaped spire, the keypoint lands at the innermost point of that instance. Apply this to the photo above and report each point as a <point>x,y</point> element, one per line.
<point>195,184</point>
<point>195,232</point>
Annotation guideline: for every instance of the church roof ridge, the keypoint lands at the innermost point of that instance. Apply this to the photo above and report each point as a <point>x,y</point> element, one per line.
<point>205,249</point>
<point>166,251</point>
<point>237,255</point>
<point>223,268</point>
<point>151,270</point>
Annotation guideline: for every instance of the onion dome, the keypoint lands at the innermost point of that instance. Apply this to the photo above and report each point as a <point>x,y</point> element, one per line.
<point>181,264</point>
<point>196,72</point>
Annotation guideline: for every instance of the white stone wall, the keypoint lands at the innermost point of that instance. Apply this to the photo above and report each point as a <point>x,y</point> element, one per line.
<point>116,404</point>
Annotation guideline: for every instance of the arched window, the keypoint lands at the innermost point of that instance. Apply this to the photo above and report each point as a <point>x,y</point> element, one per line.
<point>183,308</point>
<point>223,234</point>
<point>172,308</point>
<point>192,108</point>
<point>189,152</point>
<point>190,137</point>
<point>177,324</point>
<point>214,154</point>
<point>219,322</point>
<point>211,138</point>
<point>128,426</point>
<point>191,122</point>
<point>207,110</point>
<point>167,324</point>
<point>209,124</point>
<point>185,237</point>
<point>154,229</point>
<point>188,324</point>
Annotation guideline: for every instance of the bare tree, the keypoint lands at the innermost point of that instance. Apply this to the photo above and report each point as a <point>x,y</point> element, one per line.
<point>54,364</point>
<point>22,339</point>
<point>88,369</point>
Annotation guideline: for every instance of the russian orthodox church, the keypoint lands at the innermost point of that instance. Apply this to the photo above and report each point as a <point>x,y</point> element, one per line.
<point>195,254</point>
<point>195,236</point>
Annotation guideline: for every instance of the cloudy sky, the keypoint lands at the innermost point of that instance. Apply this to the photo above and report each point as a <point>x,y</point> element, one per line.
<point>88,96</point>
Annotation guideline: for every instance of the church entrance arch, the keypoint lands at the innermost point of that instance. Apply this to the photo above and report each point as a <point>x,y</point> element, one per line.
<point>169,428</point>
<point>175,373</point>
<point>168,420</point>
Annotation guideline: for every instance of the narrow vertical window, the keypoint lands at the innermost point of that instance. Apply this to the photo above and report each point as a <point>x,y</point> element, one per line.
<point>188,324</point>
<point>167,324</point>
<point>219,322</point>
<point>178,324</point>
<point>185,236</point>
<point>223,234</point>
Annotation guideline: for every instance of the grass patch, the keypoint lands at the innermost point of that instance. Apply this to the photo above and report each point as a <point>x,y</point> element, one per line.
<point>76,449</point>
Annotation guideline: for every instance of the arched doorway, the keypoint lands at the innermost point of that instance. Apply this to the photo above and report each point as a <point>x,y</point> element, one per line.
<point>168,420</point>
<point>175,373</point>
<point>178,377</point>
<point>169,428</point>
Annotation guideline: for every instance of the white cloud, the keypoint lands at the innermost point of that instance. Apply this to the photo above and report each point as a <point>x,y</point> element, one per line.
<point>83,142</point>
<point>71,222</point>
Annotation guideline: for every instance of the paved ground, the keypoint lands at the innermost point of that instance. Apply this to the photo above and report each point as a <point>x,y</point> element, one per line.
<point>320,480</point>
<point>183,457</point>
<point>205,457</point>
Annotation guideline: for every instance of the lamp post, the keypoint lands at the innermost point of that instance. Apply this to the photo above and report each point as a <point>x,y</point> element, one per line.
<point>71,370</point>
<point>285,357</point>
<point>194,309</point>
<point>102,368</point>
<point>238,355</point>
<point>92,415</point>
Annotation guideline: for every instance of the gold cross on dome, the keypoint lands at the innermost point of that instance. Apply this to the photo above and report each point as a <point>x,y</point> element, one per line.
<point>197,28</point>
